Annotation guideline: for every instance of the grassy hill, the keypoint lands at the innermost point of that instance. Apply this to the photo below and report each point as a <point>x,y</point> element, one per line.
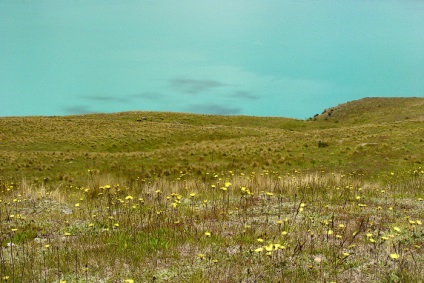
<point>371,135</point>
<point>376,110</point>
<point>176,197</point>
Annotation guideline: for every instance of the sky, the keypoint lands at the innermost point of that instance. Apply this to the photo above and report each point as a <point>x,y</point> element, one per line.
<point>286,58</point>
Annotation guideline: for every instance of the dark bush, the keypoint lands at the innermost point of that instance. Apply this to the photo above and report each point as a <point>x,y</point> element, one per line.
<point>322,144</point>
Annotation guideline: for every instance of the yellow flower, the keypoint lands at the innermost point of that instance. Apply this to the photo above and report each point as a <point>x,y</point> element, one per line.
<point>128,197</point>
<point>269,248</point>
<point>397,229</point>
<point>201,256</point>
<point>394,256</point>
<point>207,234</point>
<point>258,250</point>
<point>277,246</point>
<point>128,281</point>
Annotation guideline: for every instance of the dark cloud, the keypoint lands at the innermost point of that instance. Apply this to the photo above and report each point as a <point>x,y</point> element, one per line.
<point>77,109</point>
<point>244,94</point>
<point>192,86</point>
<point>213,109</point>
<point>150,95</point>
<point>105,98</point>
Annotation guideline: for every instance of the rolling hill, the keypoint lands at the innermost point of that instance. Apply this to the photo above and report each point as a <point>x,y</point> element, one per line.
<point>370,134</point>
<point>376,110</point>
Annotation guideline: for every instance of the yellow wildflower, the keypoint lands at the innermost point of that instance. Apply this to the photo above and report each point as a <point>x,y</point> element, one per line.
<point>397,229</point>
<point>258,250</point>
<point>394,256</point>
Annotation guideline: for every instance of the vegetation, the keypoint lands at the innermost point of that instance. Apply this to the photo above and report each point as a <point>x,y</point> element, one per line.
<point>174,197</point>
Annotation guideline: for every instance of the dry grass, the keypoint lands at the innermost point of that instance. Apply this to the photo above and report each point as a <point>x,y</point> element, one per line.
<point>228,227</point>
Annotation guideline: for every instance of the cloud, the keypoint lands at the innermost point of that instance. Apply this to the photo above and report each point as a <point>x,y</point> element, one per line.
<point>213,109</point>
<point>244,94</point>
<point>105,98</point>
<point>150,95</point>
<point>193,86</point>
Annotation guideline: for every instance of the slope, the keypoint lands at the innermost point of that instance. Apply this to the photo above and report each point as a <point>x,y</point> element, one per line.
<point>375,110</point>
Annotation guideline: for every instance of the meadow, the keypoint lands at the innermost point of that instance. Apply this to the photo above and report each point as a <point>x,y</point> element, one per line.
<point>175,197</point>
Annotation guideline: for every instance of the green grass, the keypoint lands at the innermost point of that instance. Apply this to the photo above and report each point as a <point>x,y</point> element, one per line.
<point>174,197</point>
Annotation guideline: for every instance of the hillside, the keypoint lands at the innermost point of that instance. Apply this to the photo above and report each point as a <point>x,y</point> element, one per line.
<point>375,110</point>
<point>155,143</point>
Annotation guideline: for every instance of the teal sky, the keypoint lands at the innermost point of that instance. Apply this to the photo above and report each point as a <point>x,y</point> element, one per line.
<point>233,57</point>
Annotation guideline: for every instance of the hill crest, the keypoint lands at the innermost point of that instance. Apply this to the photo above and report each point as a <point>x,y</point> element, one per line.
<point>375,110</point>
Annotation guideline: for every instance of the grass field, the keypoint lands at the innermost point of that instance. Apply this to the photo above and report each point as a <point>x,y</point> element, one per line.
<point>175,197</point>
